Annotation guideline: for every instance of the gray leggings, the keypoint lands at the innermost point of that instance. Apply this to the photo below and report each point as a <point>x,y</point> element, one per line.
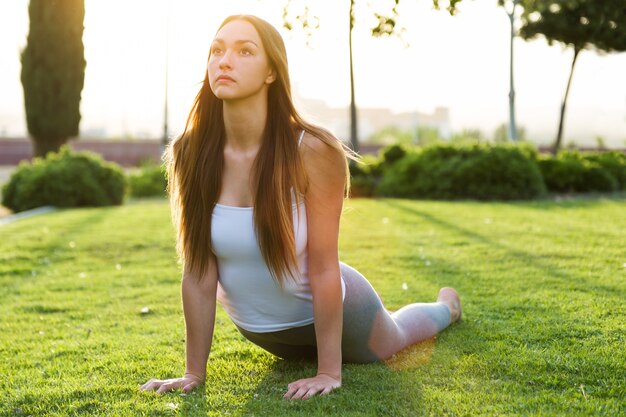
<point>361,307</point>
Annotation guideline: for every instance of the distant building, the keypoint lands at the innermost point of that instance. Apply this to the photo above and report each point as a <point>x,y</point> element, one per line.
<point>372,120</point>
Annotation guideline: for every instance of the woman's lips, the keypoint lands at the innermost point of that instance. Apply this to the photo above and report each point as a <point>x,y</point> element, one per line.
<point>224,78</point>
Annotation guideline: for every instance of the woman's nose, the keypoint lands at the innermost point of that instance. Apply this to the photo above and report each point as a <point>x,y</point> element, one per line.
<point>225,60</point>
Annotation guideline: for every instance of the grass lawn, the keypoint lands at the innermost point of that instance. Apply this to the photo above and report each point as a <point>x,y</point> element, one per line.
<point>543,331</point>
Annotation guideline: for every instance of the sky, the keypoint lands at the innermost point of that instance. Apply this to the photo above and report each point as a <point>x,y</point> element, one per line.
<point>459,62</point>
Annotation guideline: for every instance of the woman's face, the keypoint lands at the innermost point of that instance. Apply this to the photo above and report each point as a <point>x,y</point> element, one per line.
<point>238,67</point>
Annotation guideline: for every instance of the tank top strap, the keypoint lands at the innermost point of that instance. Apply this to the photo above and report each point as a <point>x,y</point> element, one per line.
<point>301,136</point>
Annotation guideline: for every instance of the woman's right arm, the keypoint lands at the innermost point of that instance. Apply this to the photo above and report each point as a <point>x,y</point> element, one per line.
<point>199,301</point>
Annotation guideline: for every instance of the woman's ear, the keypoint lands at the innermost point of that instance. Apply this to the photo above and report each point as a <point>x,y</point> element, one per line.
<point>271,76</point>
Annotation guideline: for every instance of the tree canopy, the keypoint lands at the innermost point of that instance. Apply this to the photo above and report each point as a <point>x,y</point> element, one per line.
<point>580,24</point>
<point>53,72</point>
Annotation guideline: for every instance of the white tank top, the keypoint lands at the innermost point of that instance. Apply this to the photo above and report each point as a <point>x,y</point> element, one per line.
<point>246,289</point>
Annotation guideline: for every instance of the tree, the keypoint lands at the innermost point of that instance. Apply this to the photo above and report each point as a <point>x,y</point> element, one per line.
<point>510,6</point>
<point>354,136</point>
<point>451,8</point>
<point>579,24</point>
<point>53,72</point>
<point>386,26</point>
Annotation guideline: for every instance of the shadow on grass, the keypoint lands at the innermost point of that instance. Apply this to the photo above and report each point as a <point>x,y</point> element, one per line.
<point>549,202</point>
<point>569,201</point>
<point>525,258</point>
<point>58,401</point>
<point>56,249</point>
<point>253,382</point>
<point>372,389</point>
<point>518,324</point>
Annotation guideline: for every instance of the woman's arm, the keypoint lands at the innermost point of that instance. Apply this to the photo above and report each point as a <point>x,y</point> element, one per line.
<point>199,300</point>
<point>326,170</point>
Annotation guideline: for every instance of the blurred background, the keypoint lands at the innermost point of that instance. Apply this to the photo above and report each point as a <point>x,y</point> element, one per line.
<point>443,74</point>
<point>438,77</point>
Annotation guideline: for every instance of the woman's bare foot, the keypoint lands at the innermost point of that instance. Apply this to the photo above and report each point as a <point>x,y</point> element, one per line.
<point>450,297</point>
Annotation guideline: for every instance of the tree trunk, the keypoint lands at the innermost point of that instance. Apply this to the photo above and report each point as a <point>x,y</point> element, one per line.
<point>512,123</point>
<point>354,138</point>
<point>41,146</point>
<point>559,135</point>
<point>165,137</point>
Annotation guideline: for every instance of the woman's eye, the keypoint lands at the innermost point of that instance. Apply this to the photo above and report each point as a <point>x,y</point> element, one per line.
<point>246,52</point>
<point>216,51</point>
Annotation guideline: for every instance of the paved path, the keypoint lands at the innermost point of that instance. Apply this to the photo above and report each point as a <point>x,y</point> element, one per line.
<point>5,174</point>
<point>6,216</point>
<point>6,219</point>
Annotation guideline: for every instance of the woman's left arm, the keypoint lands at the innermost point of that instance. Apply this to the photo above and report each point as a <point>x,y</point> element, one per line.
<point>326,170</point>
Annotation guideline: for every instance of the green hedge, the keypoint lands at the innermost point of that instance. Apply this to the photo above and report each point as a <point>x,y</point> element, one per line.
<point>614,162</point>
<point>572,171</point>
<point>65,179</point>
<point>484,171</point>
<point>392,154</point>
<point>150,180</point>
<point>466,171</point>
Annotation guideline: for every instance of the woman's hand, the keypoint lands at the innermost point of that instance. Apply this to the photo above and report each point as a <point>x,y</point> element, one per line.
<point>304,389</point>
<point>187,383</point>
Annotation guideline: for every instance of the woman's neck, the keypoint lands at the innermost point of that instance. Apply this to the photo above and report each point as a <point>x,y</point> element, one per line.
<point>244,123</point>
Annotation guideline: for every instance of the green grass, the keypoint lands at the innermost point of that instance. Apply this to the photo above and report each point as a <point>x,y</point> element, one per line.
<point>543,331</point>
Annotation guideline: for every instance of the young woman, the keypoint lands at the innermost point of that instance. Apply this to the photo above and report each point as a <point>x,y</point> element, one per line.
<point>257,194</point>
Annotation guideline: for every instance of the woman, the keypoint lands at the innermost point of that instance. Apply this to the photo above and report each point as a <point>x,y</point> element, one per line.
<point>257,194</point>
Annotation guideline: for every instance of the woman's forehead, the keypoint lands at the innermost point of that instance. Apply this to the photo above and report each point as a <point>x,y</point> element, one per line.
<point>238,31</point>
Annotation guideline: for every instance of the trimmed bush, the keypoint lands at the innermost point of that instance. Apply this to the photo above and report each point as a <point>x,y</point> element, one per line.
<point>571,171</point>
<point>65,179</point>
<point>373,166</point>
<point>398,180</point>
<point>357,169</point>
<point>392,154</point>
<point>149,181</point>
<point>561,174</point>
<point>364,176</point>
<point>362,186</point>
<point>473,171</point>
<point>614,162</point>
<point>596,178</point>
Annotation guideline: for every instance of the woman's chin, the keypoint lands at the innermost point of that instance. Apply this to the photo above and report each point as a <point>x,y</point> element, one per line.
<point>222,95</point>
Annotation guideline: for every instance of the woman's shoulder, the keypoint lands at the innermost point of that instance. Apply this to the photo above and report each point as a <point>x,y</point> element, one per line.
<point>321,143</point>
<point>323,155</point>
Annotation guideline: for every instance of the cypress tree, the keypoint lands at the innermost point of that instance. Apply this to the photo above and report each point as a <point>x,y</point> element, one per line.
<point>53,72</point>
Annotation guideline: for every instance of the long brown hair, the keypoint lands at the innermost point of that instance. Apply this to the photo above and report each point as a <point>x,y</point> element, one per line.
<point>195,161</point>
